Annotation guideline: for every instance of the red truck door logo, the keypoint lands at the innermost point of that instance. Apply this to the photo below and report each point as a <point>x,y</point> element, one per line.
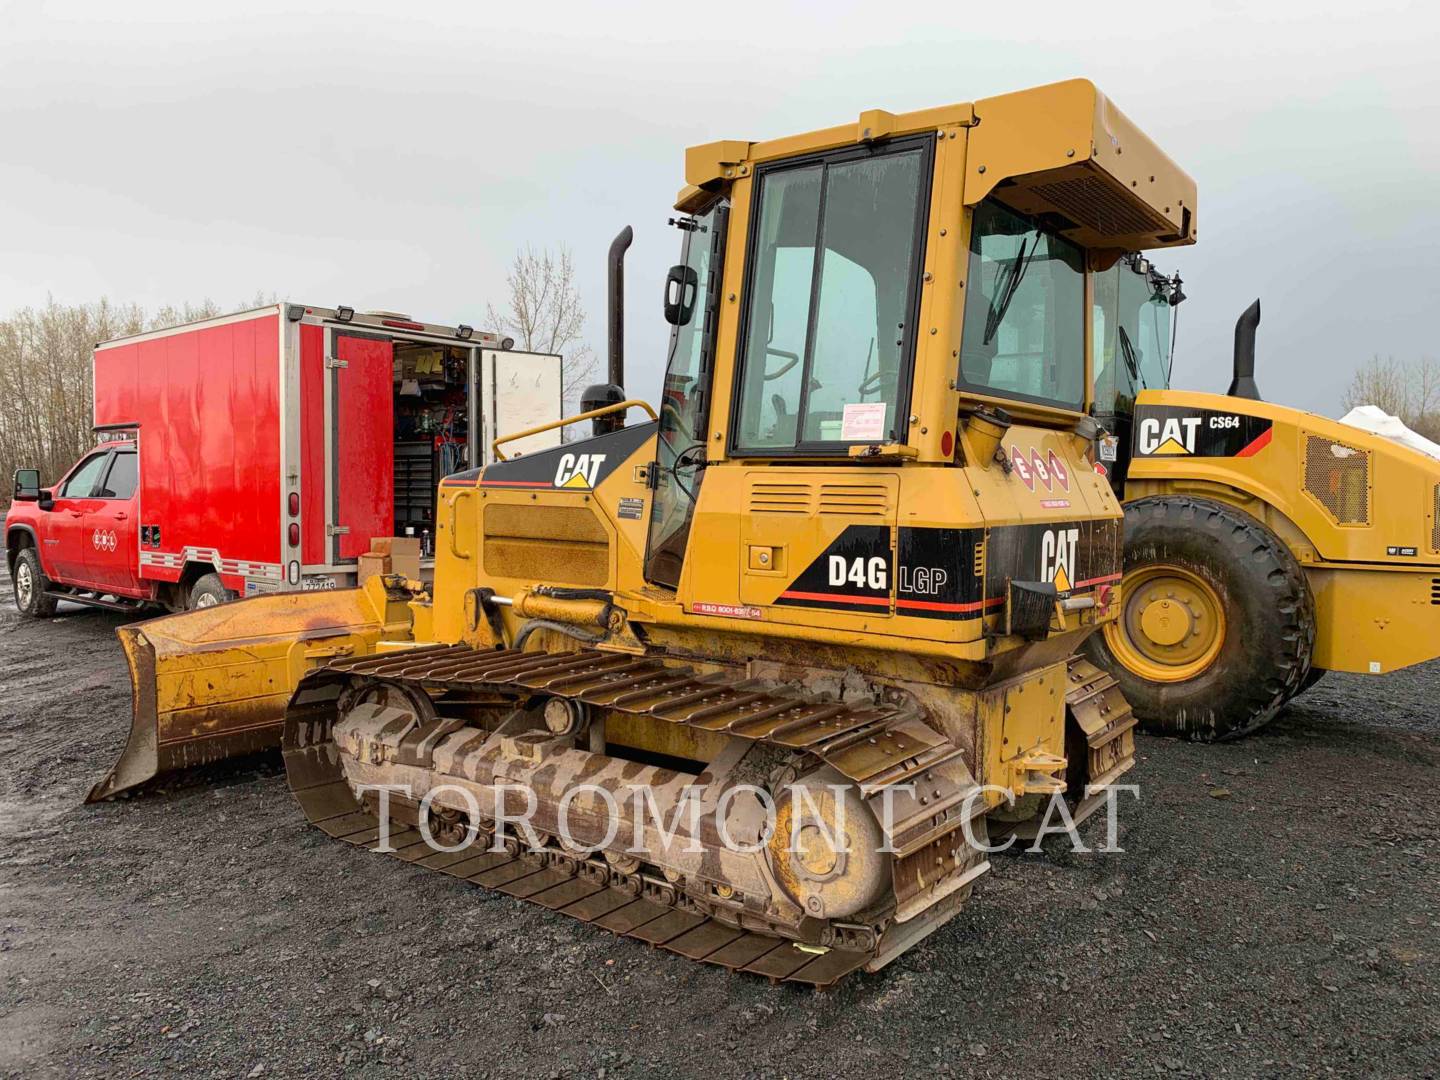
<point>103,540</point>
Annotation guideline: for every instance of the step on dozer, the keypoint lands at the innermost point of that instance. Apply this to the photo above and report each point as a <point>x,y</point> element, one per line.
<point>755,679</point>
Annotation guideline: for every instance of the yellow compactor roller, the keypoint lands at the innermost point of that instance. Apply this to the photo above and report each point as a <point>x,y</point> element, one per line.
<point>844,571</point>
<point>1264,545</point>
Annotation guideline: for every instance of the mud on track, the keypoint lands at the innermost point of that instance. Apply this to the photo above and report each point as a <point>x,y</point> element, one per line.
<point>1276,911</point>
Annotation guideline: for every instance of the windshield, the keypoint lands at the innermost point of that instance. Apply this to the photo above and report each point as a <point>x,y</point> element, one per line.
<point>1131,327</point>
<point>1024,333</point>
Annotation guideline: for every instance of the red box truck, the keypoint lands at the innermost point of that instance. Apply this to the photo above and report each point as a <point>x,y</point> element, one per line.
<point>264,451</point>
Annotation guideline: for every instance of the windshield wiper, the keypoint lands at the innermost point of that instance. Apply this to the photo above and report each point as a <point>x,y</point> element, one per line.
<point>1004,294</point>
<point>1131,362</point>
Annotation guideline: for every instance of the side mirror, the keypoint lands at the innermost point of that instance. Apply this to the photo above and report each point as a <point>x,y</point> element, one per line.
<point>27,485</point>
<point>47,499</point>
<point>682,284</point>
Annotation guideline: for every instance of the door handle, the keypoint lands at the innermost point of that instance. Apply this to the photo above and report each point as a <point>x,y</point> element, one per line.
<point>121,516</point>
<point>75,513</point>
<point>454,502</point>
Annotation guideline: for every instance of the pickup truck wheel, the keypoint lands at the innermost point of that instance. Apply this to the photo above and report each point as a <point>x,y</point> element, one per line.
<point>207,592</point>
<point>30,585</point>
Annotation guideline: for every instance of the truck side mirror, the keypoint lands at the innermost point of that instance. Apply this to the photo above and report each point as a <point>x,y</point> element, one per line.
<point>27,485</point>
<point>681,286</point>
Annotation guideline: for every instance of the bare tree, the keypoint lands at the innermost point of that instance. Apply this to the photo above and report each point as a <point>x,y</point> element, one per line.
<point>546,315</point>
<point>1410,391</point>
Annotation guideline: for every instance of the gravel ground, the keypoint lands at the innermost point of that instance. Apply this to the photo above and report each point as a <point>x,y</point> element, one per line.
<point>1275,911</point>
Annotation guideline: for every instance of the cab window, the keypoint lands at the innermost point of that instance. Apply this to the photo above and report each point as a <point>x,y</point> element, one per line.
<point>121,479</point>
<point>1024,334</point>
<point>1131,327</point>
<point>81,483</point>
<point>831,300</point>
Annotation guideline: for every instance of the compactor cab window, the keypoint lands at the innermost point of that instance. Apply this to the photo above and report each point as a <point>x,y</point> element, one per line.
<point>829,331</point>
<point>1131,325</point>
<point>1024,334</point>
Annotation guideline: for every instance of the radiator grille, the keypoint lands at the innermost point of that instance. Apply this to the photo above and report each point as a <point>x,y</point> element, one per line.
<point>1337,476</point>
<point>1101,205</point>
<point>1435,522</point>
<point>781,497</point>
<point>857,498</point>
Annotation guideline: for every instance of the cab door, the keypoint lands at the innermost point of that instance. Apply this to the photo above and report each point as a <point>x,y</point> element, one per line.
<point>65,542</point>
<point>362,427</point>
<point>693,308</point>
<point>112,556</point>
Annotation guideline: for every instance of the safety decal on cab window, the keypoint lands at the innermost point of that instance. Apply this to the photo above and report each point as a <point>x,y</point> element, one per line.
<point>852,574</point>
<point>1175,431</point>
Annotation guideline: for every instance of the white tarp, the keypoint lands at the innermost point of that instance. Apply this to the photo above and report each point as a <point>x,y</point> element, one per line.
<point>1377,421</point>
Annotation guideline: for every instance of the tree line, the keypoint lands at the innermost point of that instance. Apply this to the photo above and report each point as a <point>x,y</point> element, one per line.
<point>1407,389</point>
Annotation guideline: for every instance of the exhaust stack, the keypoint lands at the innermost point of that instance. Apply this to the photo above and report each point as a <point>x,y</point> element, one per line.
<point>612,392</point>
<point>616,265</point>
<point>1243,384</point>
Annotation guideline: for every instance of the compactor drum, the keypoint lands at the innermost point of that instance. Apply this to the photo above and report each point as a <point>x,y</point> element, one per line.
<point>756,679</point>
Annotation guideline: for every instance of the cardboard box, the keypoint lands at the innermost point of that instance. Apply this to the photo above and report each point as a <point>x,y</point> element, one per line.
<point>405,556</point>
<point>372,563</point>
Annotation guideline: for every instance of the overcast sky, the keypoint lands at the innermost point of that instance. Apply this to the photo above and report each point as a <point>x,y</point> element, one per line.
<point>395,155</point>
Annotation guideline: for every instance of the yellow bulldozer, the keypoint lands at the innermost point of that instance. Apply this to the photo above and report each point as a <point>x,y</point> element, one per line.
<point>1264,546</point>
<point>820,594</point>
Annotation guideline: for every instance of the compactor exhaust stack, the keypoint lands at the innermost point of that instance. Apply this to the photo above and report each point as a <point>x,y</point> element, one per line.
<point>603,394</point>
<point>1243,384</point>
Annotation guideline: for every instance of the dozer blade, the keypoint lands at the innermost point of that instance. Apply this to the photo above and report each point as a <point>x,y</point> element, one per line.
<point>213,683</point>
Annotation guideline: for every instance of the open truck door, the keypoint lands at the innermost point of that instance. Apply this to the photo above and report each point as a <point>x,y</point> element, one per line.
<point>362,423</point>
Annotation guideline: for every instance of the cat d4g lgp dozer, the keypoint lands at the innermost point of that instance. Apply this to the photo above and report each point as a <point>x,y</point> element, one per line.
<point>843,574</point>
<point>1264,546</point>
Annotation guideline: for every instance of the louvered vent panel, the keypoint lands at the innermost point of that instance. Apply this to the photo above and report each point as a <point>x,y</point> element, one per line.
<point>1093,201</point>
<point>855,499</point>
<point>780,497</point>
<point>1337,476</point>
<point>1435,525</point>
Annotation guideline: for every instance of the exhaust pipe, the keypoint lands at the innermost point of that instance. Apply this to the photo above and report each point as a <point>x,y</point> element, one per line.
<point>1243,384</point>
<point>618,247</point>
<point>612,392</point>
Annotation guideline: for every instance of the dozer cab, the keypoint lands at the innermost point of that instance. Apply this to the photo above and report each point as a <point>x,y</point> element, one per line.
<point>1264,546</point>
<point>829,597</point>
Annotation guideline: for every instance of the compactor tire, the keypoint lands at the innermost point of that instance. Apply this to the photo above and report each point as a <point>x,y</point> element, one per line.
<point>30,585</point>
<point>208,591</point>
<point>1254,607</point>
